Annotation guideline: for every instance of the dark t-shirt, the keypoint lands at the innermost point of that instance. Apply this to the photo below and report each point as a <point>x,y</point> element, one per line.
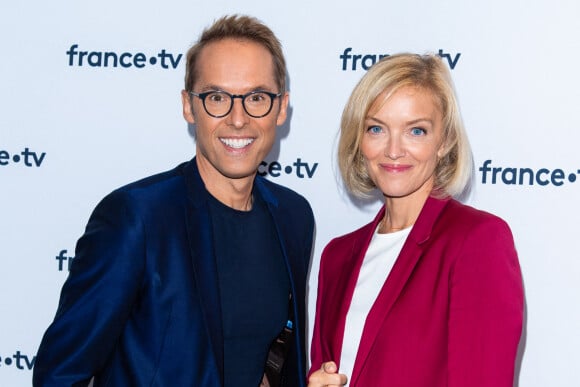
<point>254,288</point>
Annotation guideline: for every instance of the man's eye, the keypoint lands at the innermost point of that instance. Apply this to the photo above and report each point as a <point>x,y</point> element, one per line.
<point>216,97</point>
<point>258,97</point>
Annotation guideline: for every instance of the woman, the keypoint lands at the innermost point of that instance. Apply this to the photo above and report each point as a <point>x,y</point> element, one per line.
<point>429,293</point>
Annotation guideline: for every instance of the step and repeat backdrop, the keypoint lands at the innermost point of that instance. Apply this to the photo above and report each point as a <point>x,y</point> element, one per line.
<point>90,100</point>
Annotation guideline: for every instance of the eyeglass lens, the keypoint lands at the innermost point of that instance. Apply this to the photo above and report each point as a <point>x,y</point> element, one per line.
<point>256,104</point>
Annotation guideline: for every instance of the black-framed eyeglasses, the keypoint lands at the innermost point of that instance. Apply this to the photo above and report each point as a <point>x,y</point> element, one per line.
<point>219,103</point>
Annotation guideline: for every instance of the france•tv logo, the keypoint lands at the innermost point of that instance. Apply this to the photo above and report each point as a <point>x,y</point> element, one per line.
<point>80,58</point>
<point>367,60</point>
<point>19,360</point>
<point>64,262</point>
<point>301,169</point>
<point>525,176</point>
<point>27,157</point>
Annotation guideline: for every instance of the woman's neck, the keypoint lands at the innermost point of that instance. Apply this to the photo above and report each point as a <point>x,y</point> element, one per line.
<point>400,213</point>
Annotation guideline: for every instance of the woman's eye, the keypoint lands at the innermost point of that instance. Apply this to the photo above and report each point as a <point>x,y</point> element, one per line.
<point>418,131</point>
<point>374,129</point>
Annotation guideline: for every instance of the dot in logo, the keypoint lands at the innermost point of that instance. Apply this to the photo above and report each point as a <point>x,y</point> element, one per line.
<point>152,60</point>
<point>7,361</point>
<point>572,177</point>
<point>288,169</point>
<point>16,158</point>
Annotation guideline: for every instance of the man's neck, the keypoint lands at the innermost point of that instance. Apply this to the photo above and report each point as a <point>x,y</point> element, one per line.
<point>234,193</point>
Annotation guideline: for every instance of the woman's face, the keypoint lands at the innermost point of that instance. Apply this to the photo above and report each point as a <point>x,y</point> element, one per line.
<point>402,143</point>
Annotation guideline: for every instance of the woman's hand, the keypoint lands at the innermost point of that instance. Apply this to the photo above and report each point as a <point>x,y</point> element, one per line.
<point>327,376</point>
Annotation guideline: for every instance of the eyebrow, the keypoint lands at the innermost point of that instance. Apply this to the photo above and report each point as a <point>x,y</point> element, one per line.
<point>412,122</point>
<point>213,87</point>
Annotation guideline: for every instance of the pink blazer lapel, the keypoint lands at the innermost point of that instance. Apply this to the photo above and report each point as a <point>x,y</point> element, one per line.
<point>400,274</point>
<point>348,276</point>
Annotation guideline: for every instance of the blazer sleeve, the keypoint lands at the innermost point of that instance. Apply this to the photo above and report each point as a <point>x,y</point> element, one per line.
<point>315,346</point>
<point>486,308</point>
<point>96,298</point>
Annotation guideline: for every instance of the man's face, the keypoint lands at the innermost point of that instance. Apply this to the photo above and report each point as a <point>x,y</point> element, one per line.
<point>233,146</point>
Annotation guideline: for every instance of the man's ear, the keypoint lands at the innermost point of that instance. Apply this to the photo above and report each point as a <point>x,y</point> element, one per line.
<point>187,107</point>
<point>284,99</point>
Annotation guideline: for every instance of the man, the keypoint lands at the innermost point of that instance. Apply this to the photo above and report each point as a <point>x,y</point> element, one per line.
<point>184,278</point>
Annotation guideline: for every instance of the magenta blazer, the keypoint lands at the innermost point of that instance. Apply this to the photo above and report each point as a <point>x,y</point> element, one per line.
<point>449,314</point>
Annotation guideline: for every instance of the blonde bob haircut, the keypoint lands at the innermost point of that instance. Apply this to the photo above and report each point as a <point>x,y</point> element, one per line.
<point>454,168</point>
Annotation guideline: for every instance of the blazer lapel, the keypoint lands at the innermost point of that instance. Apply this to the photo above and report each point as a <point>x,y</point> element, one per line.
<point>204,266</point>
<point>400,273</point>
<point>295,273</point>
<point>347,276</point>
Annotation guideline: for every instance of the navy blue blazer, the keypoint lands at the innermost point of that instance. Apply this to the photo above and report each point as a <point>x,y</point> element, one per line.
<point>141,305</point>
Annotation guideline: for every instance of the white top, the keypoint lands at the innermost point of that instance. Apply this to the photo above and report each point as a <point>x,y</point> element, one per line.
<point>377,264</point>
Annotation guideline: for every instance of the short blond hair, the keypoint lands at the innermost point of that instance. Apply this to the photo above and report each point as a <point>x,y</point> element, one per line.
<point>239,27</point>
<point>454,169</point>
